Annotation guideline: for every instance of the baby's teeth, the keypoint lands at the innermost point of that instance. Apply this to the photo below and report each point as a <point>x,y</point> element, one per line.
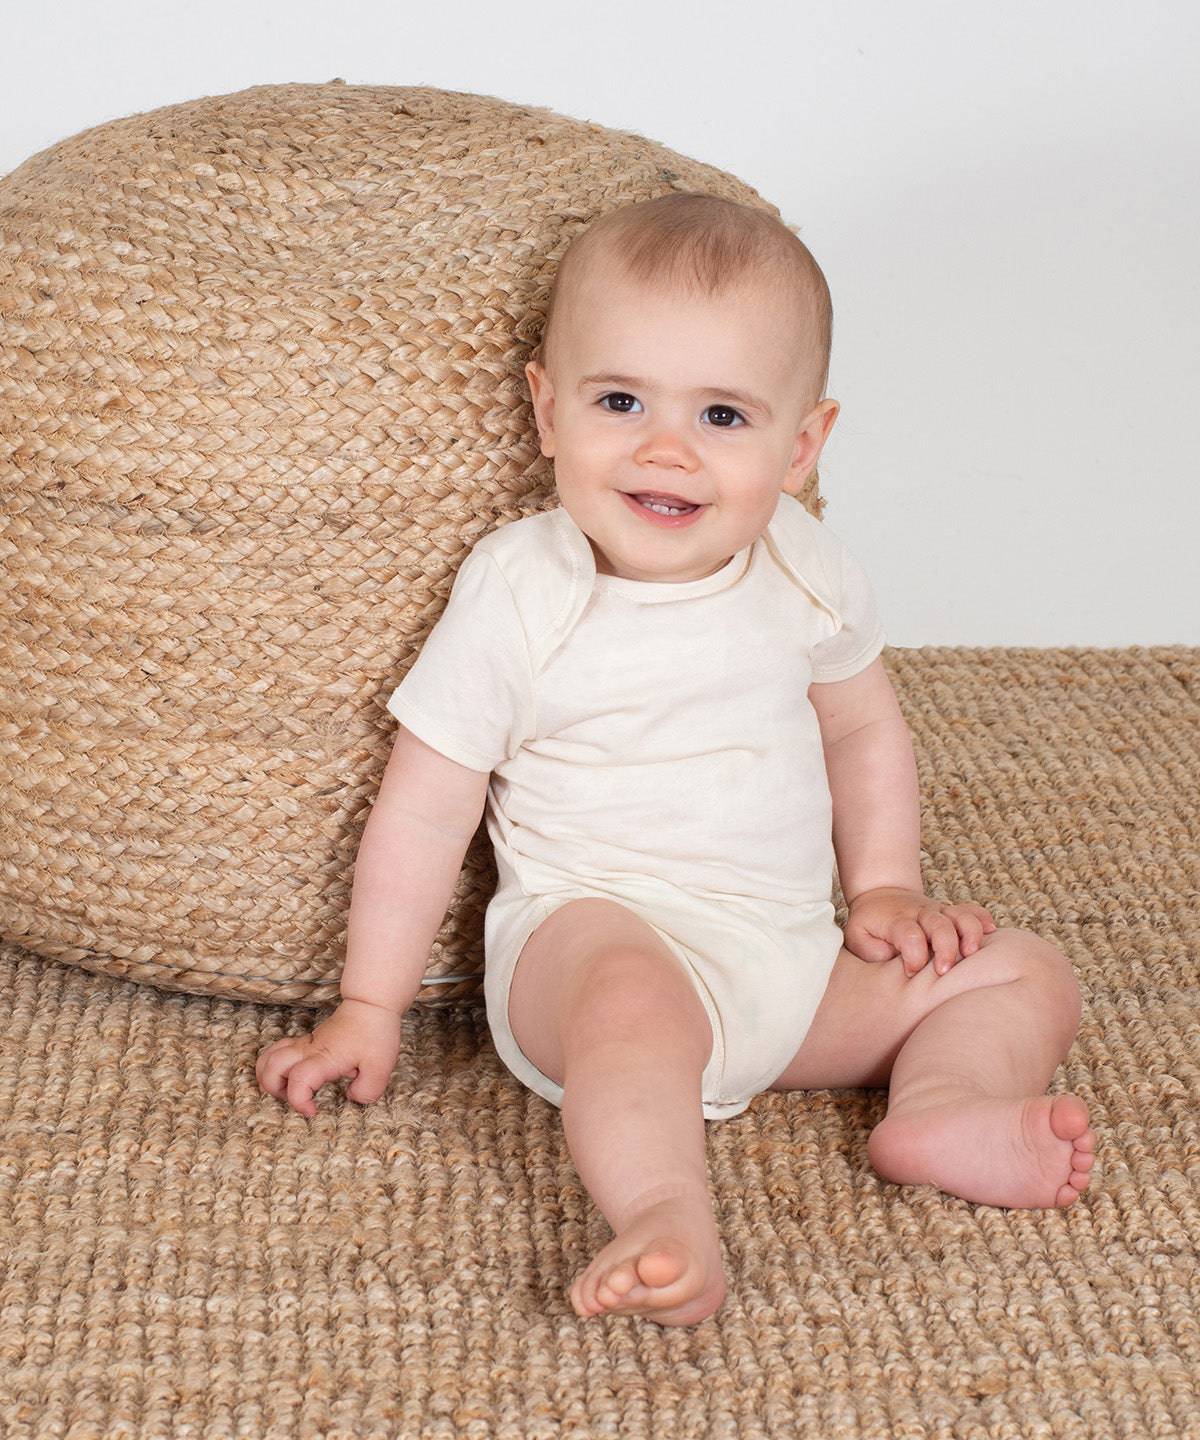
<point>662,509</point>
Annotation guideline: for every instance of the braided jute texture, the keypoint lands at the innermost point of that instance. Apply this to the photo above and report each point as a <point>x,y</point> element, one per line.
<point>261,389</point>
<point>185,1256</point>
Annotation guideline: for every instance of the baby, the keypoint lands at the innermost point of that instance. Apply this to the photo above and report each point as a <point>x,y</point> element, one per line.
<point>668,694</point>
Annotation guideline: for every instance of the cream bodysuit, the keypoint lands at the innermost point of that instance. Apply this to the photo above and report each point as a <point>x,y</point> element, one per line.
<point>654,744</point>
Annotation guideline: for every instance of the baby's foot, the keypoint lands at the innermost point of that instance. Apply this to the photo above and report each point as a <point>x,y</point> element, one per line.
<point>1031,1153</point>
<point>665,1264</point>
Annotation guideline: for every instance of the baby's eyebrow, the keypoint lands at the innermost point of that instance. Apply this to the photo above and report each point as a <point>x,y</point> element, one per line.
<point>751,402</point>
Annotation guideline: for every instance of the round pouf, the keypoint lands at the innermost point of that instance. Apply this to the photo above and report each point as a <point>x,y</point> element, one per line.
<point>261,389</point>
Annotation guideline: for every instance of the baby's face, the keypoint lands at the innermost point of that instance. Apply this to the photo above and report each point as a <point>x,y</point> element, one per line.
<point>680,395</point>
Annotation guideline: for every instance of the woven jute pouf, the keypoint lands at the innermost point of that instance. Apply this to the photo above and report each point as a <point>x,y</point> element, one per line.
<point>261,389</point>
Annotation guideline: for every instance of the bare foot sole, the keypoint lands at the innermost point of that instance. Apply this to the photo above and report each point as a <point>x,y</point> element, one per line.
<point>1029,1154</point>
<point>665,1265</point>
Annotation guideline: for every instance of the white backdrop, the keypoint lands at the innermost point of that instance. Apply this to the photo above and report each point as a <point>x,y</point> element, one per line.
<point>1003,198</point>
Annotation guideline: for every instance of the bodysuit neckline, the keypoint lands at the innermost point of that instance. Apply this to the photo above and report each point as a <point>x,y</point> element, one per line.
<point>652,592</point>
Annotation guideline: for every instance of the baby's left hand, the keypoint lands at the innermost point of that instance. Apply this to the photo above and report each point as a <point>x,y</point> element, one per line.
<point>886,922</point>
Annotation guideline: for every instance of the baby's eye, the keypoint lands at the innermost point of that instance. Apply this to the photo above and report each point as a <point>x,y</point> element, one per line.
<point>728,410</point>
<point>618,395</point>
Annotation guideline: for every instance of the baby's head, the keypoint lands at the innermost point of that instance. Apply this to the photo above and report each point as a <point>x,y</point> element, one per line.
<point>685,353</point>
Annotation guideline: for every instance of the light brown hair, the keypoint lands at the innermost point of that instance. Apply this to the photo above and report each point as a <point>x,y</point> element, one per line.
<point>697,242</point>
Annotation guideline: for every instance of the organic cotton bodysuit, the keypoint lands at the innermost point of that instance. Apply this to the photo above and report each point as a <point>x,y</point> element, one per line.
<point>665,755</point>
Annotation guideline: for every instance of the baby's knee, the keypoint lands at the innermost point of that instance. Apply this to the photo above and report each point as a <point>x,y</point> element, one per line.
<point>1049,972</point>
<point>631,994</point>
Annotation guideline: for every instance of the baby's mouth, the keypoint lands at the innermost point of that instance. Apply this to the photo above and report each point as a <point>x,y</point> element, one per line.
<point>668,504</point>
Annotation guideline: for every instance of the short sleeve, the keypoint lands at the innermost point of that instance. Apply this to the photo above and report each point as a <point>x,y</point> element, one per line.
<point>860,638</point>
<point>469,692</point>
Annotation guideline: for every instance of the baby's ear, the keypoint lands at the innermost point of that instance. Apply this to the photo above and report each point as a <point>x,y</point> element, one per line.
<point>809,443</point>
<point>542,394</point>
<point>535,374</point>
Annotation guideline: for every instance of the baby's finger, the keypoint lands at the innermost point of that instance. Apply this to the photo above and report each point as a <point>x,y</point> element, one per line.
<point>970,928</point>
<point>909,939</point>
<point>368,1082</point>
<point>270,1068</point>
<point>984,916</point>
<point>943,938</point>
<point>304,1080</point>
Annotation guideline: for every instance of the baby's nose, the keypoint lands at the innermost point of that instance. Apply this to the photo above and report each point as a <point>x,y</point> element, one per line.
<point>667,447</point>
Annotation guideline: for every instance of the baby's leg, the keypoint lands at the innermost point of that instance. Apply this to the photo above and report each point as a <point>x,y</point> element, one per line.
<point>601,1005</point>
<point>967,1108</point>
<point>969,1054</point>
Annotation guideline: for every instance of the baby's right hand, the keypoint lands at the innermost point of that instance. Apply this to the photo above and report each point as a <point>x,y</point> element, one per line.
<point>358,1040</point>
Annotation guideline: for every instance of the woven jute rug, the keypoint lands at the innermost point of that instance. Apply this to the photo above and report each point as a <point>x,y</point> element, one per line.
<point>185,1256</point>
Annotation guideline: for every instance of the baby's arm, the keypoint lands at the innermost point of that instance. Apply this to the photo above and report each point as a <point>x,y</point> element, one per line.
<point>408,862</point>
<point>876,797</point>
<point>409,858</point>
<point>873,782</point>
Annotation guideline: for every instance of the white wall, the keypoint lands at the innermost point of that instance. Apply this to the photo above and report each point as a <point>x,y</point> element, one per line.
<point>1003,197</point>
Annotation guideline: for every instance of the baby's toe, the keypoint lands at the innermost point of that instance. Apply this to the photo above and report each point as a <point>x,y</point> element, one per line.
<point>663,1265</point>
<point>583,1293</point>
<point>1069,1120</point>
<point>617,1284</point>
<point>576,1297</point>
